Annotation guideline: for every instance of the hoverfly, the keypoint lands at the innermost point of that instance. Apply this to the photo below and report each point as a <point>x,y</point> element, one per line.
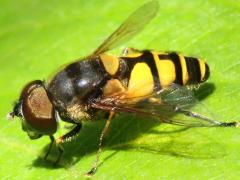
<point>141,82</point>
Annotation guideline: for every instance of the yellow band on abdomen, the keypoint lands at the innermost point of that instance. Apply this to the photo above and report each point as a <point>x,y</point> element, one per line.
<point>141,81</point>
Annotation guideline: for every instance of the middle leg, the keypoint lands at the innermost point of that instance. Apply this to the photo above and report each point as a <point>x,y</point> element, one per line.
<point>104,131</point>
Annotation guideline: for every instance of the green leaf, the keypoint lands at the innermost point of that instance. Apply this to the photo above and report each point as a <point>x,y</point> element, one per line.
<point>36,38</point>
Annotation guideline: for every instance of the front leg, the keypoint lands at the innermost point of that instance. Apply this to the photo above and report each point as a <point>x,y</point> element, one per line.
<point>67,137</point>
<point>50,146</point>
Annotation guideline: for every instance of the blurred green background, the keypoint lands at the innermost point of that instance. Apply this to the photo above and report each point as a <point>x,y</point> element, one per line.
<point>37,37</point>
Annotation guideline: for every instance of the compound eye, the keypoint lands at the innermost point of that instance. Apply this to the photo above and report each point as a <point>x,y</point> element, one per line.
<point>37,109</point>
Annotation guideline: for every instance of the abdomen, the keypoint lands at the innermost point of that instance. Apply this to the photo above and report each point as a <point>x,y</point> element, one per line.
<point>179,69</point>
<point>149,71</point>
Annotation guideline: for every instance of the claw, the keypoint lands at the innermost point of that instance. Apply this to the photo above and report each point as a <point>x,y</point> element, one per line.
<point>91,172</point>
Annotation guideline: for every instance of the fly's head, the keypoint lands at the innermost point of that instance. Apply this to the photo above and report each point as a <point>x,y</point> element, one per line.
<point>35,110</point>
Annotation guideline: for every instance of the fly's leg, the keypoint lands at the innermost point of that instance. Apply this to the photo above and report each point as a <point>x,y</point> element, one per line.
<point>104,131</point>
<point>70,135</point>
<point>67,137</point>
<point>127,51</point>
<point>211,121</point>
<point>230,124</point>
<point>50,146</point>
<point>61,150</point>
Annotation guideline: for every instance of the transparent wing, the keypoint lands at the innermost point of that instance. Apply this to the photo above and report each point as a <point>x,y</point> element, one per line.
<point>133,25</point>
<point>171,105</point>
